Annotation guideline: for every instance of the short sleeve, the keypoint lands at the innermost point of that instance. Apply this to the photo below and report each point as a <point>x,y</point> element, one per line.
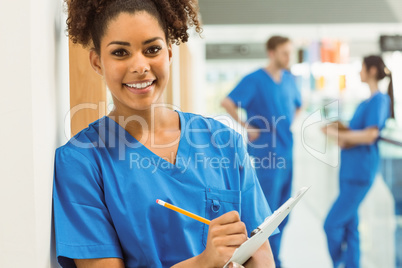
<point>83,225</point>
<point>377,111</point>
<point>296,92</point>
<point>298,98</point>
<point>254,206</point>
<point>242,95</point>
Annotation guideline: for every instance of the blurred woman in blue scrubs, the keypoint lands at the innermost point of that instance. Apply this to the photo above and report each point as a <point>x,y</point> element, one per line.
<point>108,177</point>
<point>359,164</point>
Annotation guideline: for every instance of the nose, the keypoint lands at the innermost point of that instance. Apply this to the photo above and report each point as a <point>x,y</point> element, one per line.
<point>139,64</point>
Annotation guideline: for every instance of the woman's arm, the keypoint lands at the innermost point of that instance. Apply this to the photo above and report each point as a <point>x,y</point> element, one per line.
<point>99,263</point>
<point>196,262</point>
<point>350,138</point>
<point>262,258</point>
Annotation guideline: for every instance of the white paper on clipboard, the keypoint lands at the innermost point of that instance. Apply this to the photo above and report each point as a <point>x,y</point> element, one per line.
<point>247,249</point>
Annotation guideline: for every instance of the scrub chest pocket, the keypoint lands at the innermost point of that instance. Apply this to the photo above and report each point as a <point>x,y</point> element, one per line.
<point>219,202</point>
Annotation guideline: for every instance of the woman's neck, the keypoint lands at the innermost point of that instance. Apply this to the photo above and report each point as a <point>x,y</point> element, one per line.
<point>373,85</point>
<point>139,122</point>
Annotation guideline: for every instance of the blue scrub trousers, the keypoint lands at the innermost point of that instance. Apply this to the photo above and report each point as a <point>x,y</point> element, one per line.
<point>341,225</point>
<point>277,190</point>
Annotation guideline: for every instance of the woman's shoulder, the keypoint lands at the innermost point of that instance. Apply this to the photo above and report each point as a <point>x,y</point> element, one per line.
<point>379,98</point>
<point>382,96</point>
<point>219,128</point>
<point>85,141</point>
<point>222,122</point>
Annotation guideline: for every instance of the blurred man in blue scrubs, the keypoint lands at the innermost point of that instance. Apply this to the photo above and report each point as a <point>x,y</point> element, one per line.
<point>271,99</point>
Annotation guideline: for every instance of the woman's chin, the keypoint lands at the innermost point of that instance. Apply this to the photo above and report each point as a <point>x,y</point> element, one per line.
<point>143,106</point>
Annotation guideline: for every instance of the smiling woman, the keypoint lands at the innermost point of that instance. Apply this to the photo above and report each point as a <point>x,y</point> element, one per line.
<point>134,61</point>
<point>106,179</point>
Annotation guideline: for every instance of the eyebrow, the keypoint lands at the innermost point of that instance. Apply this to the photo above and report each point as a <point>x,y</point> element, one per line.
<point>151,40</point>
<point>128,44</point>
<point>119,43</point>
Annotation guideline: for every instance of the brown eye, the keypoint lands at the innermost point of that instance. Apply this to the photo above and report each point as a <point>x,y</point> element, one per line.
<point>120,53</point>
<point>153,50</point>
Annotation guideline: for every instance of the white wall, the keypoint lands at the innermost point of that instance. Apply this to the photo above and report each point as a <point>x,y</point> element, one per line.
<point>31,72</point>
<point>362,32</point>
<point>197,45</point>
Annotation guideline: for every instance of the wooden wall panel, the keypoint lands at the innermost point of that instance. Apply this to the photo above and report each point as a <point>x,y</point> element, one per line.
<point>186,81</point>
<point>87,90</point>
<point>172,91</point>
<point>180,85</point>
<point>168,93</point>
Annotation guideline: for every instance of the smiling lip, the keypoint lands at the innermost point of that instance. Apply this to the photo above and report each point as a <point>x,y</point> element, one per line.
<point>140,87</point>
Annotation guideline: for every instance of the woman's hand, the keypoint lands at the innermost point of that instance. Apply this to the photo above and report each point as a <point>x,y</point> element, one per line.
<point>253,133</point>
<point>225,234</point>
<point>324,130</point>
<point>333,132</point>
<point>330,130</point>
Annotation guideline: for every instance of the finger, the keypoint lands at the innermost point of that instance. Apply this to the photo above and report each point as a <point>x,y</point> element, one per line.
<point>235,265</point>
<point>227,218</point>
<point>233,240</point>
<point>233,228</point>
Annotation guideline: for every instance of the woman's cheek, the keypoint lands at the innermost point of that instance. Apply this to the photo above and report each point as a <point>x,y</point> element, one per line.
<point>117,73</point>
<point>165,67</point>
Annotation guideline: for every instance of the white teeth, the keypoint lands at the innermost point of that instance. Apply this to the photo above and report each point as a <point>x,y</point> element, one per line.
<point>140,85</point>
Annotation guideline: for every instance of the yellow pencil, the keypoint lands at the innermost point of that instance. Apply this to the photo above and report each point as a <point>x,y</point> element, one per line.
<point>182,211</point>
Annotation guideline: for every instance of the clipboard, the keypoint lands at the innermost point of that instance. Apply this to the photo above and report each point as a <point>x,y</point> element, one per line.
<point>262,232</point>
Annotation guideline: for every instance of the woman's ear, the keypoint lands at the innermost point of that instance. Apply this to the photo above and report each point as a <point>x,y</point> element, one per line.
<point>373,71</point>
<point>170,53</point>
<point>94,59</point>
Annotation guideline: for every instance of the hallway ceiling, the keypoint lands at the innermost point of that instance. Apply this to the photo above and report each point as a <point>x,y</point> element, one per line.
<point>224,12</point>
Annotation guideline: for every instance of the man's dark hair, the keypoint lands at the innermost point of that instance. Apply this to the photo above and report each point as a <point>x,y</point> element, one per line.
<point>276,41</point>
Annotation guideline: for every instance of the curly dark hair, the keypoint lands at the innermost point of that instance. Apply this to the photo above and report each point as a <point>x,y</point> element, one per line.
<point>88,19</point>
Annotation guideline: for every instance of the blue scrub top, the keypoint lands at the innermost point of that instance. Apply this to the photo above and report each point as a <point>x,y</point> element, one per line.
<point>270,106</point>
<point>360,163</point>
<point>106,186</point>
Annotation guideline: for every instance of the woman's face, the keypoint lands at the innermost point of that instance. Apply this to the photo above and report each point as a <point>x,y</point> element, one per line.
<point>134,61</point>
<point>364,73</point>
